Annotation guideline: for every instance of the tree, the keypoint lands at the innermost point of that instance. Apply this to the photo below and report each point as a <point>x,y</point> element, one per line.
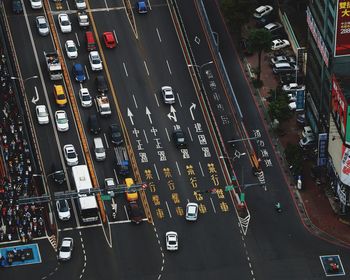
<point>260,40</point>
<point>237,13</point>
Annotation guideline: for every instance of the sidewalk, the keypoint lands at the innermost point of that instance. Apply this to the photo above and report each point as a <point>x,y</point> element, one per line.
<point>316,202</point>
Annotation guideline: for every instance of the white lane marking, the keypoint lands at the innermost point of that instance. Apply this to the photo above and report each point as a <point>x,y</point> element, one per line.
<point>156,98</point>
<point>134,98</point>
<point>126,213</point>
<point>212,204</point>
<point>156,170</point>
<point>105,136</point>
<point>144,134</point>
<point>160,39</point>
<point>200,167</point>
<point>87,72</point>
<point>115,176</point>
<point>167,134</point>
<point>124,221</point>
<point>167,63</point>
<point>68,6</point>
<point>96,105</point>
<point>189,133</point>
<point>76,36</point>
<point>178,168</point>
<point>167,206</point>
<point>126,72</point>
<point>178,98</point>
<point>144,62</point>
<point>106,5</point>
<point>149,5</point>
<point>115,36</point>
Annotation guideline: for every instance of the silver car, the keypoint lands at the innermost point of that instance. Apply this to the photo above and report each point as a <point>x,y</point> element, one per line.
<point>42,25</point>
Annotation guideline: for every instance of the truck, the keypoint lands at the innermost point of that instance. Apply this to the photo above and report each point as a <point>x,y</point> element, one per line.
<point>83,19</point>
<point>87,204</point>
<point>103,106</point>
<point>122,160</point>
<point>53,65</point>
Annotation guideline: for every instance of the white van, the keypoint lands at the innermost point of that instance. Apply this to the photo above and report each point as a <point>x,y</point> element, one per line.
<point>99,149</point>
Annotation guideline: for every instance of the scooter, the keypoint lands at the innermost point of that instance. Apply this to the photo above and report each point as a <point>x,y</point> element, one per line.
<point>278,207</point>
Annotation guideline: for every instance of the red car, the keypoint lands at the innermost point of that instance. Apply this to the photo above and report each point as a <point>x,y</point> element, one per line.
<point>109,39</point>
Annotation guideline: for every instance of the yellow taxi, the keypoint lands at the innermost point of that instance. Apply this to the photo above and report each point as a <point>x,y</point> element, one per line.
<point>130,196</point>
<point>60,96</point>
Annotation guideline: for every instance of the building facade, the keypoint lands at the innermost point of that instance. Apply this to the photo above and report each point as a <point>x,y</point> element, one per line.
<point>328,89</point>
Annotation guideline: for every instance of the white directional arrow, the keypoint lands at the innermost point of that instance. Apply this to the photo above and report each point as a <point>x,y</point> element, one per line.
<point>148,113</point>
<point>172,114</point>
<point>130,115</point>
<point>192,107</point>
<point>36,98</point>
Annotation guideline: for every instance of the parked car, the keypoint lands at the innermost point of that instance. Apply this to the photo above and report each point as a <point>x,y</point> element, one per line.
<point>42,114</point>
<point>80,4</point>
<point>66,249</point>
<point>172,242</point>
<point>282,59</point>
<point>307,142</point>
<point>42,25</point>
<point>261,22</point>
<point>63,209</point>
<point>292,87</point>
<point>279,68</point>
<point>64,23</point>
<point>290,77</point>
<point>71,49</point>
<point>262,11</point>
<point>168,95</point>
<point>274,27</point>
<point>307,132</point>
<point>292,106</point>
<point>279,44</point>
<point>108,38</point>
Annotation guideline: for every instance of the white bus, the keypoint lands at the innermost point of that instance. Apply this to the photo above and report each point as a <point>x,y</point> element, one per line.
<point>87,202</point>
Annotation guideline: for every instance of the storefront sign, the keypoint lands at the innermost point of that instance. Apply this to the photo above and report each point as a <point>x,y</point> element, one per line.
<point>345,168</point>
<point>322,149</point>
<point>342,35</point>
<point>300,103</point>
<point>317,36</point>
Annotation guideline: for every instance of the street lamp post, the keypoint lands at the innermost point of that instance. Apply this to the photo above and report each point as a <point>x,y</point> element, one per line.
<point>24,80</point>
<point>201,66</point>
<point>237,154</point>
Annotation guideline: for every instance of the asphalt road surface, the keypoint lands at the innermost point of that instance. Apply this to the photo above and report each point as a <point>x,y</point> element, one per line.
<point>145,59</point>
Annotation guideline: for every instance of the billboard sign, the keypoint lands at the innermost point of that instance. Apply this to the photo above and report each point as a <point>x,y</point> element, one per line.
<point>345,167</point>
<point>317,36</point>
<point>342,34</point>
<point>322,149</point>
<point>339,106</point>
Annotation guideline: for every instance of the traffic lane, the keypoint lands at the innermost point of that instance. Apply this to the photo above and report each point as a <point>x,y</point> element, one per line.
<point>214,252</point>
<point>131,257</point>
<point>259,230</point>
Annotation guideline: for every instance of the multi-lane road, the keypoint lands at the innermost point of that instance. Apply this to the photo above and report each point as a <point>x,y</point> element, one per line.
<point>145,59</point>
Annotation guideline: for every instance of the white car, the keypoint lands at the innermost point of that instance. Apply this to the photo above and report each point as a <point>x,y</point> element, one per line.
<point>307,132</point>
<point>292,87</point>
<point>42,25</point>
<point>171,239</point>
<point>64,23</point>
<point>70,155</point>
<point>63,209</point>
<point>191,211</point>
<point>85,97</point>
<point>95,61</point>
<point>279,44</point>
<point>36,4</point>
<point>292,106</point>
<point>61,120</point>
<point>80,4</point>
<point>66,249</point>
<point>168,95</point>
<point>71,49</point>
<point>262,11</point>
<point>42,114</point>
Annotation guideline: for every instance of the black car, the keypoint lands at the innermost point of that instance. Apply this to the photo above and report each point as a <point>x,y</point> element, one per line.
<point>261,22</point>
<point>179,137</point>
<point>288,78</point>
<point>17,7</point>
<point>94,124</point>
<point>101,84</point>
<point>59,177</point>
<point>134,212</point>
<point>116,135</point>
